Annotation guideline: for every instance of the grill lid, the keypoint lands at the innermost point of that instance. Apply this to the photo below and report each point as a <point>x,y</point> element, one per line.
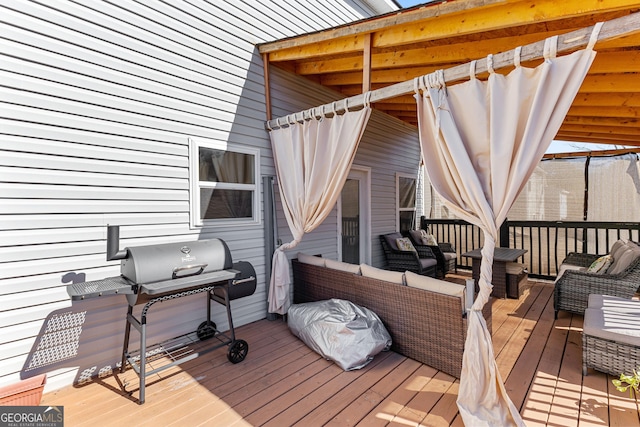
<point>171,261</point>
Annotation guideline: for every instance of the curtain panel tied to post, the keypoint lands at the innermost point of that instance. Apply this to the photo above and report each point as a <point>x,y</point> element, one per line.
<point>312,159</point>
<point>481,141</point>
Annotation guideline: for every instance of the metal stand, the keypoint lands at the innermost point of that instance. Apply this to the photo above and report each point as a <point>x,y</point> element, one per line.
<point>237,348</point>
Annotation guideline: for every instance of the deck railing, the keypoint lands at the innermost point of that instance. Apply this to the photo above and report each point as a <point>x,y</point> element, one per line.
<point>547,242</point>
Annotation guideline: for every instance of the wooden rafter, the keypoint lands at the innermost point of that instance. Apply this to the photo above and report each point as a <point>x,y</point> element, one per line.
<point>447,35</point>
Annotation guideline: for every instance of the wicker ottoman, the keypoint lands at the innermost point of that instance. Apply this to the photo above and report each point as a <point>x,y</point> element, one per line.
<point>517,276</point>
<point>611,341</point>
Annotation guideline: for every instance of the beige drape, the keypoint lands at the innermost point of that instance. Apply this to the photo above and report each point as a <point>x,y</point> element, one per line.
<point>312,160</point>
<point>480,142</point>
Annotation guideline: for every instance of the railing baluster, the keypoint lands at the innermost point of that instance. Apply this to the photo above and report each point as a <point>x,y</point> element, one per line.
<point>544,252</point>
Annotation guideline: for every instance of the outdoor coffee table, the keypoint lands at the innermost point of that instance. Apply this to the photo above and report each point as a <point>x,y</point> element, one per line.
<point>501,256</point>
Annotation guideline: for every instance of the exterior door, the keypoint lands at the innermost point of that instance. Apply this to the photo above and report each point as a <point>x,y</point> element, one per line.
<point>354,229</point>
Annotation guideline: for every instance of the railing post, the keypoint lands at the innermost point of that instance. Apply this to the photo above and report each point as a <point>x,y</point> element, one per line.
<point>504,234</point>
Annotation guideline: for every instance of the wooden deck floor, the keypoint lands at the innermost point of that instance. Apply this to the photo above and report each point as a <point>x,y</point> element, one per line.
<point>281,382</point>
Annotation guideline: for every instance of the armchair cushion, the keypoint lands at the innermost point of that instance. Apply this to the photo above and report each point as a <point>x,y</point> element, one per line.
<point>428,262</point>
<point>450,256</point>
<point>421,237</point>
<point>622,262</point>
<point>391,239</point>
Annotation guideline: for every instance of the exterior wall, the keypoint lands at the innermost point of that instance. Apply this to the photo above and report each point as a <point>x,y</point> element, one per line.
<point>388,146</point>
<point>98,101</point>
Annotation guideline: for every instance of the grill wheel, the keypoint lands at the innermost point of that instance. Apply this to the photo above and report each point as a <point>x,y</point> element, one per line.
<point>237,351</point>
<point>206,330</point>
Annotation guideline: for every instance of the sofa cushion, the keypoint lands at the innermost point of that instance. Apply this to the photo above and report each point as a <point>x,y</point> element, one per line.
<point>311,259</point>
<point>436,285</point>
<point>600,265</point>
<point>342,266</point>
<point>380,274</point>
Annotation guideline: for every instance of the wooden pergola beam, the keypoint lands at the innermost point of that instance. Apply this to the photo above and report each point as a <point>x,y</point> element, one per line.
<point>408,27</point>
<point>437,57</point>
<point>434,10</point>
<point>566,43</point>
<point>599,153</point>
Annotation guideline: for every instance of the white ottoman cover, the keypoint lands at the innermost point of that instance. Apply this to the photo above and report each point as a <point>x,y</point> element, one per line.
<point>608,302</point>
<point>615,326</point>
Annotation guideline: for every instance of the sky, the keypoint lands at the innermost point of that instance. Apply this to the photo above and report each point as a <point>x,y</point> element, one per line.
<point>407,3</point>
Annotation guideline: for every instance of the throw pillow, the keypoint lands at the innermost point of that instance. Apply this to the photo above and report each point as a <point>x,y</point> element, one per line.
<point>428,239</point>
<point>404,244</point>
<point>600,265</point>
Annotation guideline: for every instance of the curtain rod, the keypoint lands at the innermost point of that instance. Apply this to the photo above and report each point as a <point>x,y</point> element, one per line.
<point>566,42</point>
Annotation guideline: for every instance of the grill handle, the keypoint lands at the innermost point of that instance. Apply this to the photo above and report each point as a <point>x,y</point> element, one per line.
<point>239,281</point>
<point>177,270</point>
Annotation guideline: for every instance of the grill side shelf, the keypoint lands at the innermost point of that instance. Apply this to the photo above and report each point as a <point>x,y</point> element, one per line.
<point>184,283</point>
<point>97,288</point>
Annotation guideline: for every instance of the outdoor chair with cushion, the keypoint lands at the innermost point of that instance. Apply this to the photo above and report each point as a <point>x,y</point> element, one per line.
<point>445,253</point>
<point>616,274</point>
<point>401,255</point>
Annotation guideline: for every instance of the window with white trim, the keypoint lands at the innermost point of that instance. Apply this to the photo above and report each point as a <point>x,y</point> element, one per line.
<point>224,184</point>
<point>405,202</point>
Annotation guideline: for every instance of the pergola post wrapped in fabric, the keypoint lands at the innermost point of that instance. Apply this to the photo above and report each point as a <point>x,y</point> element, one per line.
<point>481,141</point>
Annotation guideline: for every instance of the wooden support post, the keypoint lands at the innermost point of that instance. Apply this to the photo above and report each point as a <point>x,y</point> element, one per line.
<point>267,88</point>
<point>366,64</point>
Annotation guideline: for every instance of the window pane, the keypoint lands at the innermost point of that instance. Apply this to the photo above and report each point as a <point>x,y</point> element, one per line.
<point>226,166</point>
<point>407,221</point>
<point>406,192</point>
<point>218,204</point>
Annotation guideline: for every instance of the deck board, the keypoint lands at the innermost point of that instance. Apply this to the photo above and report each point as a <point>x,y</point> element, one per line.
<point>282,382</point>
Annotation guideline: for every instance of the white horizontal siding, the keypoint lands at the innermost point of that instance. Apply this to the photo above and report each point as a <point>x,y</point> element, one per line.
<point>98,100</point>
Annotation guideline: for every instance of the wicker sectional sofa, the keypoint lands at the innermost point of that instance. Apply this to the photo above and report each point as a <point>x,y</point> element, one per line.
<point>426,326</point>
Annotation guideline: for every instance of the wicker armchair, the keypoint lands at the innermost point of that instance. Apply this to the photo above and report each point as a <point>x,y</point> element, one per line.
<point>445,254</point>
<point>422,261</point>
<point>572,289</point>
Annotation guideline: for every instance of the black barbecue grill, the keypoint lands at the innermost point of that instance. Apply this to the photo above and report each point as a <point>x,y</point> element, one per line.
<point>157,273</point>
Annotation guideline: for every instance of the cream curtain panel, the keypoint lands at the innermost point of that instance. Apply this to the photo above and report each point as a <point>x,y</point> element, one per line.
<point>312,160</point>
<point>480,142</point>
